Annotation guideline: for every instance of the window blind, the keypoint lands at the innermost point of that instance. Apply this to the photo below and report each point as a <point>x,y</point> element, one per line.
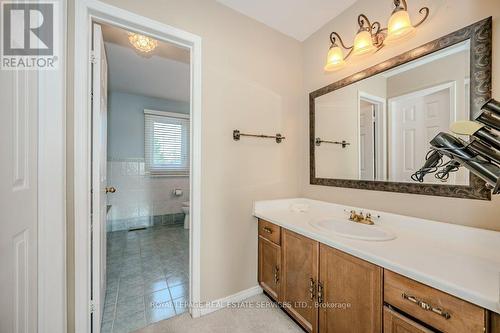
<point>166,143</point>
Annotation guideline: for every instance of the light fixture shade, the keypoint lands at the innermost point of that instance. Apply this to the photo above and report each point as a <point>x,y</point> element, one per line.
<point>399,26</point>
<point>142,43</point>
<point>363,43</point>
<point>335,59</point>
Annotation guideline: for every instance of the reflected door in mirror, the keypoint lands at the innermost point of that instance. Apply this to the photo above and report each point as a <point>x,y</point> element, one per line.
<point>415,119</point>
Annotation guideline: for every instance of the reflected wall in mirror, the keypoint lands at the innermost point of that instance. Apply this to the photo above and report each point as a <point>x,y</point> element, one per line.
<point>390,118</point>
<point>372,130</point>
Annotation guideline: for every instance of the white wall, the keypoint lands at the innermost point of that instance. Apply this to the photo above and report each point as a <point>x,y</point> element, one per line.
<point>138,195</point>
<point>446,16</point>
<point>126,121</point>
<point>252,81</point>
<point>454,67</point>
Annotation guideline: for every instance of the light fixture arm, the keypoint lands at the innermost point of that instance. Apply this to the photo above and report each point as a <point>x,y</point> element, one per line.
<point>377,27</point>
<point>364,23</point>
<point>333,38</point>
<point>425,11</point>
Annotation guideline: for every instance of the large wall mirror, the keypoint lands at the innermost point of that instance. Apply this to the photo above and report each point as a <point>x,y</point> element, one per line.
<point>372,130</point>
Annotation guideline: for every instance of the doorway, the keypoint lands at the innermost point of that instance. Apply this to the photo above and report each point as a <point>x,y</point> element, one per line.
<point>140,190</point>
<point>371,137</point>
<point>90,271</point>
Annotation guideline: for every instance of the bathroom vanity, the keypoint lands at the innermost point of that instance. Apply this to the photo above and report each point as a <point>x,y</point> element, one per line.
<point>402,274</point>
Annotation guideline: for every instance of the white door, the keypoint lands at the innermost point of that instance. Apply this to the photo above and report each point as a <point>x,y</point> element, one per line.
<point>366,141</point>
<point>99,181</point>
<point>18,197</point>
<point>415,121</point>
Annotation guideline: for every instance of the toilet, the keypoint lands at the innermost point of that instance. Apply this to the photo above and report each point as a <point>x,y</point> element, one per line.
<point>185,210</point>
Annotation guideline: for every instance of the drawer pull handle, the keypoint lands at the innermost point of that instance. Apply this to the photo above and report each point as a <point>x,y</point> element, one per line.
<point>276,275</point>
<point>426,306</point>
<point>268,230</point>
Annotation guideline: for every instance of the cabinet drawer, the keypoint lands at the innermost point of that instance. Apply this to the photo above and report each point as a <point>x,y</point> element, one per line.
<point>270,231</point>
<point>431,306</point>
<point>395,322</point>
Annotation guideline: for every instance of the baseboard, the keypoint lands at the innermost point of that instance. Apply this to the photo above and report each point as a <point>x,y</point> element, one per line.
<point>219,304</point>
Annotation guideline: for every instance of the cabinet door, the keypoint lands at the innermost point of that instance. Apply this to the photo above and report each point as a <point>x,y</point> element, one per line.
<point>495,322</point>
<point>397,323</point>
<point>300,275</point>
<point>351,293</point>
<point>269,267</point>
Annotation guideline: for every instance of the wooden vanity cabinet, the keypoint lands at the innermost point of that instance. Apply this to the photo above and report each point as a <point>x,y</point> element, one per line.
<point>300,258</point>
<point>351,299</point>
<point>329,291</point>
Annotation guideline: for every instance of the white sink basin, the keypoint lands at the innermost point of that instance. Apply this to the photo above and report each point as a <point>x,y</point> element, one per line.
<point>353,230</point>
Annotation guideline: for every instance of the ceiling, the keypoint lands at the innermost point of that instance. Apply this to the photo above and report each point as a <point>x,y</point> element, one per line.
<point>296,18</point>
<point>165,73</point>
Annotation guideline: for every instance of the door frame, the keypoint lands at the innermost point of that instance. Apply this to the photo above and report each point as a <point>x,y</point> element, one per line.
<point>450,85</point>
<point>86,12</point>
<point>380,128</point>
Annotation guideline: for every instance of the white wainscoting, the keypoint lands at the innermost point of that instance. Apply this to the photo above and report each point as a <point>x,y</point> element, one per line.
<point>139,195</point>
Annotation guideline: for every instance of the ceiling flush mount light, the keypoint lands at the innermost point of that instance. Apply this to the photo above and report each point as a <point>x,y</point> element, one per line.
<point>371,37</point>
<point>142,43</point>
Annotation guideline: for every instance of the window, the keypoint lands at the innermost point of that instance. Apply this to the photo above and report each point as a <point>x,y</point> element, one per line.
<point>166,143</point>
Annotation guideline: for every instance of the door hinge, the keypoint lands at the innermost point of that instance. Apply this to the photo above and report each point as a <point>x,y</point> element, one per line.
<point>92,306</point>
<point>93,58</point>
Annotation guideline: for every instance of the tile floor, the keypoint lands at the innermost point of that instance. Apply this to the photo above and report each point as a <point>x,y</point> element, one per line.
<point>147,277</point>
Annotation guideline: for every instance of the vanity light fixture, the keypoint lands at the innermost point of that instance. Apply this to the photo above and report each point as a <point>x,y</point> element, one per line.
<point>142,43</point>
<point>371,37</point>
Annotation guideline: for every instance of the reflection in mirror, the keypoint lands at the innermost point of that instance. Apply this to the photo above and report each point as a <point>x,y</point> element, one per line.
<point>386,121</point>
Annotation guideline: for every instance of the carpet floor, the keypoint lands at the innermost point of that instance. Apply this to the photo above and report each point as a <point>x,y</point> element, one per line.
<point>254,315</point>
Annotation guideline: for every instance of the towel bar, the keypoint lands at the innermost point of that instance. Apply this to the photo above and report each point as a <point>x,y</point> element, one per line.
<point>237,135</point>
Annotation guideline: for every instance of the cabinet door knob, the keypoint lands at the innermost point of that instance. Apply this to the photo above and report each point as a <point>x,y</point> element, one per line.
<point>110,189</point>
